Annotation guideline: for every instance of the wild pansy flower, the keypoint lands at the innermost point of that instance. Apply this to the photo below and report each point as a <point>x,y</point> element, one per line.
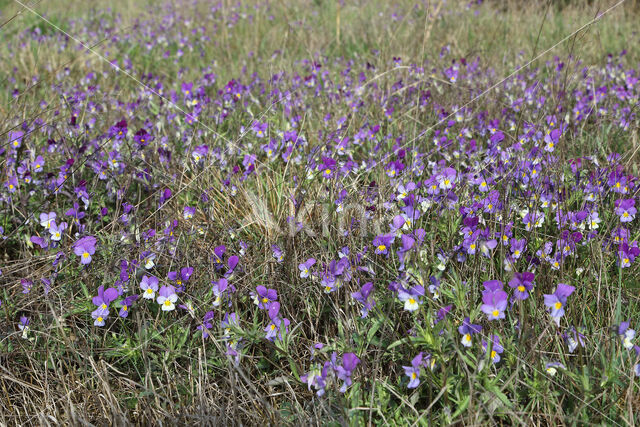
<point>56,230</point>
<point>24,325</point>
<point>199,153</point>
<point>188,212</point>
<point>278,254</point>
<point>277,324</point>
<point>125,304</point>
<point>522,283</point>
<point>494,300</point>
<point>219,289</point>
<point>625,209</point>
<point>382,243</point>
<point>104,297</point>
<point>413,371</point>
<point>627,254</point>
<point>264,297</point>
<point>180,278</point>
<point>218,254</point>
<point>148,259</point>
<point>573,338</point>
<point>167,298</point>
<point>626,334</point>
<point>149,286</point>
<point>305,266</point>
<point>46,219</point>
<point>26,285</point>
<point>84,248</point>
<point>557,300</point>
<point>552,367</point>
<point>467,330</point>
<point>411,297</point>
<point>228,322</point>
<point>259,128</point>
<point>364,297</point>
<point>496,348</point>
<point>317,378</point>
<point>446,179</point>
<point>518,247</point>
<point>349,363</point>
<point>206,324</point>
<point>15,138</point>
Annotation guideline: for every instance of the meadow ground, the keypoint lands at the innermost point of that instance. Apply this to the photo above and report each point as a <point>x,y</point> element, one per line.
<point>319,212</point>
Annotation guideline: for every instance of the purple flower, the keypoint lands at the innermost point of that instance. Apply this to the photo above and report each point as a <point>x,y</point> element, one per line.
<point>411,297</point>
<point>362,296</point>
<point>105,297</point>
<point>264,297</point>
<point>494,304</point>
<point>625,209</point>
<point>125,304</point>
<point>260,128</point>
<point>37,240</point>
<point>99,316</point>
<point>149,286</point>
<point>56,230</point>
<point>496,348</point>
<point>626,334</point>
<point>552,367</point>
<point>84,248</point>
<point>446,179</point>
<point>413,371</point>
<point>467,330</point>
<point>189,212</point>
<point>206,324</point>
<point>277,324</point>
<point>572,337</point>
<point>522,283</point>
<point>518,247</point>
<point>382,243</point>
<point>15,138</point>
<point>46,219</point>
<point>218,290</point>
<point>278,254</point>
<point>180,278</point>
<point>556,301</point>
<point>349,362</point>
<point>167,298</point>
<point>305,266</point>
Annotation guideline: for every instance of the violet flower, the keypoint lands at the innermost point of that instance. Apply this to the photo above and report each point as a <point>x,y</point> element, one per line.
<point>467,330</point>
<point>84,248</point>
<point>557,300</point>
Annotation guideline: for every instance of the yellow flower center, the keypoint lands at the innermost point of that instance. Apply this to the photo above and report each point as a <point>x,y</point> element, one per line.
<point>558,305</point>
<point>85,255</point>
<point>381,247</point>
<point>412,301</point>
<point>493,354</point>
<point>495,313</point>
<point>167,302</point>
